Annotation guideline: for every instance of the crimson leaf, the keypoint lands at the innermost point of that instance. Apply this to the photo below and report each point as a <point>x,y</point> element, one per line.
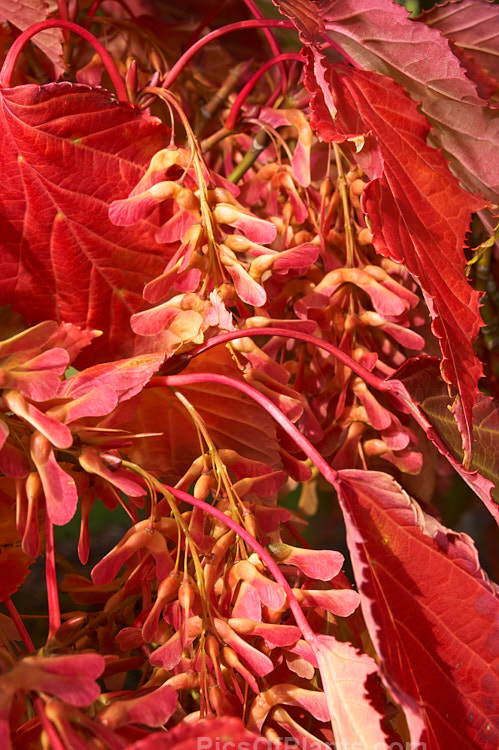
<point>439,653</point>
<point>378,35</point>
<point>68,151</point>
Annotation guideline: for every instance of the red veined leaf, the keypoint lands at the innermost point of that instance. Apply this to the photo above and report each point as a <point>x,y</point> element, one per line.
<point>431,612</point>
<point>473,26</point>
<point>233,422</point>
<point>68,152</point>
<point>378,35</point>
<point>418,212</point>
<point>25,13</point>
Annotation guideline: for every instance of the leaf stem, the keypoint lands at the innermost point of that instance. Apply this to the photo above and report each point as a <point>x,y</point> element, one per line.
<point>54,23</point>
<point>329,474</point>
<point>51,580</point>
<point>253,8</point>
<point>368,377</point>
<point>297,611</point>
<point>230,123</point>
<point>238,26</point>
<point>259,144</point>
<point>16,617</point>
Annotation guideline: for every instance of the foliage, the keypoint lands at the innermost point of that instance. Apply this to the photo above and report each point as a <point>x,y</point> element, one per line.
<point>249,279</point>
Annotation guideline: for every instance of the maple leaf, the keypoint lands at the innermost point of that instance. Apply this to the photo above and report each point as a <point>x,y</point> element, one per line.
<point>378,35</point>
<point>421,631</point>
<point>25,13</point>
<point>472,25</point>
<point>68,152</point>
<point>408,202</point>
<point>232,423</point>
<point>356,723</point>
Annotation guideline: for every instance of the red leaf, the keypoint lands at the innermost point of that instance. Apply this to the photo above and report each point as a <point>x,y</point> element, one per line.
<point>418,212</point>
<point>420,376</point>
<point>232,422</point>
<point>68,151</point>
<point>24,13</point>
<point>472,25</point>
<point>377,35</point>
<point>431,612</point>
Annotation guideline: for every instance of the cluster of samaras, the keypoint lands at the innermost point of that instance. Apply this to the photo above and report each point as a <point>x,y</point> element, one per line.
<point>195,610</point>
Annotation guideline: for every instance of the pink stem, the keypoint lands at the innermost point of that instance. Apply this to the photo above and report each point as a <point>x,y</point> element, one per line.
<point>16,617</point>
<point>239,26</point>
<point>393,388</point>
<point>274,47</point>
<point>373,380</point>
<point>258,14</point>
<point>230,123</point>
<point>12,55</point>
<point>173,381</point>
<point>297,611</point>
<point>51,580</point>
<point>50,730</point>
<point>62,10</point>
